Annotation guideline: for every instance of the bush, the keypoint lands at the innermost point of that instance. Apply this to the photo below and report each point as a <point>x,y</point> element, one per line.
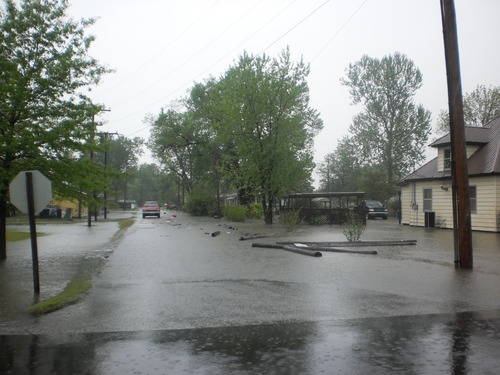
<point>353,227</point>
<point>200,205</point>
<point>235,213</point>
<point>254,211</point>
<point>291,218</point>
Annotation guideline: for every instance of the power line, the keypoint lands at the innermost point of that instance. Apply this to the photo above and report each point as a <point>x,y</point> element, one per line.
<point>270,45</point>
<point>297,24</point>
<point>190,57</point>
<point>332,38</point>
<point>269,21</point>
<point>167,46</point>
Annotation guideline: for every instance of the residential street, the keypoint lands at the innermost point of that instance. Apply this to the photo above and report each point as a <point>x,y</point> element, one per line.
<point>173,299</point>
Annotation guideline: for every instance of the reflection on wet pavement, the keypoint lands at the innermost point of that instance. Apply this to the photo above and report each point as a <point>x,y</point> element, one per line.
<point>459,343</point>
<point>168,281</point>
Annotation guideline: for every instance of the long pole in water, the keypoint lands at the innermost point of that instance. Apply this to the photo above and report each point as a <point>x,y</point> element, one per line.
<point>32,222</point>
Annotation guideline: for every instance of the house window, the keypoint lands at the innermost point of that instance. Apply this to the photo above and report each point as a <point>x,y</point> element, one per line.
<point>473,199</point>
<point>447,158</point>
<point>427,200</point>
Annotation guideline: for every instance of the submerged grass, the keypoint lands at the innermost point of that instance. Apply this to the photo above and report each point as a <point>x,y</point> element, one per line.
<point>71,293</point>
<point>19,236</point>
<point>125,223</point>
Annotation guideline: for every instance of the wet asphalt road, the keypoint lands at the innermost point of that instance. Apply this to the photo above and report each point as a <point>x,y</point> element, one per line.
<point>426,344</point>
<point>173,299</point>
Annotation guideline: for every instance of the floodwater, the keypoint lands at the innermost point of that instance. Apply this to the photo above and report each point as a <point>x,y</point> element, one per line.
<point>172,297</point>
<point>64,251</point>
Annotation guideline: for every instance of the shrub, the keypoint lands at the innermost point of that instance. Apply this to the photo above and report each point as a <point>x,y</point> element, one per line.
<point>317,220</point>
<point>291,218</point>
<point>353,227</point>
<point>200,204</point>
<point>235,213</point>
<point>254,211</point>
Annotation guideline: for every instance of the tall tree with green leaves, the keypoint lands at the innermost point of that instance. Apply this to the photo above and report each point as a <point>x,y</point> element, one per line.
<point>271,123</point>
<point>339,170</point>
<point>44,113</point>
<point>150,182</point>
<point>179,142</point>
<point>391,130</point>
<point>481,105</point>
<point>123,158</point>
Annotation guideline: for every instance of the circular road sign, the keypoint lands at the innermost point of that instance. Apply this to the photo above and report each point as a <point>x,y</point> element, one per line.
<point>42,191</point>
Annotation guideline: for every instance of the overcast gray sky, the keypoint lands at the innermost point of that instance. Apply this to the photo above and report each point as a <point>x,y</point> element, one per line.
<point>159,48</point>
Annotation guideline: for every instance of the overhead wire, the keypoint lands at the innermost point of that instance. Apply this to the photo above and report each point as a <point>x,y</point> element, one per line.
<point>337,32</point>
<point>190,57</point>
<point>166,47</point>
<point>269,21</point>
<point>296,25</point>
<point>320,52</point>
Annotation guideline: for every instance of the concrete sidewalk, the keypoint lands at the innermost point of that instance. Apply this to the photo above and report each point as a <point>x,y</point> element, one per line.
<point>65,251</point>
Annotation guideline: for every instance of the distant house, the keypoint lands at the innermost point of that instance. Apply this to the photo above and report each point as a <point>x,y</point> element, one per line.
<point>428,189</point>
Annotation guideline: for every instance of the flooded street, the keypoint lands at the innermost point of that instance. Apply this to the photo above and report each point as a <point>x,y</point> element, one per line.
<point>172,297</point>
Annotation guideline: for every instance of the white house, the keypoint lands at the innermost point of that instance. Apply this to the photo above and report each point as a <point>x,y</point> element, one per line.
<point>428,189</point>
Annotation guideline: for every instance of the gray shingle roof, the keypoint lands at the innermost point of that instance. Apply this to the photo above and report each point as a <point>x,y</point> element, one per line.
<point>473,135</point>
<point>486,160</point>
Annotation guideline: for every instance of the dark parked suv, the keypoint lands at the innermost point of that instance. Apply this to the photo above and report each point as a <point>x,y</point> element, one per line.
<point>375,209</point>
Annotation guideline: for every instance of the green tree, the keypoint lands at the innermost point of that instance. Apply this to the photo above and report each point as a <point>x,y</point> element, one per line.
<point>179,142</point>
<point>150,182</point>
<point>391,131</point>
<point>343,171</point>
<point>44,113</point>
<point>123,157</point>
<point>340,169</point>
<point>480,107</point>
<point>206,103</point>
<point>271,123</point>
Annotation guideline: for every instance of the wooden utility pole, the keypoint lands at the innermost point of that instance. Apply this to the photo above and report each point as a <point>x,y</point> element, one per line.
<point>105,136</point>
<point>460,177</point>
<point>94,193</point>
<point>91,157</point>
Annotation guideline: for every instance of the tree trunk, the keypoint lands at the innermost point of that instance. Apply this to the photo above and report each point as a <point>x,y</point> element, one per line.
<point>268,209</point>
<point>219,211</point>
<point>3,222</point>
<point>125,191</point>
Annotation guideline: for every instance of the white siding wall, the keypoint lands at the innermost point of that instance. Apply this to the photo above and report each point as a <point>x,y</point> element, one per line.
<point>497,182</point>
<point>406,203</point>
<point>440,165</point>
<point>487,216</point>
<point>469,150</point>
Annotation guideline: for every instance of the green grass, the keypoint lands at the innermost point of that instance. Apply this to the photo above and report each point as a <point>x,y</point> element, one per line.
<point>23,219</point>
<point>19,236</point>
<point>125,223</point>
<point>71,293</point>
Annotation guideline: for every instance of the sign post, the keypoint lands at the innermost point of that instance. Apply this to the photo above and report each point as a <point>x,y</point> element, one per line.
<point>30,192</point>
<point>34,245</point>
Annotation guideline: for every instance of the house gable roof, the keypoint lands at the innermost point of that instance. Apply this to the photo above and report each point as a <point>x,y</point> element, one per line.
<point>473,135</point>
<point>486,160</point>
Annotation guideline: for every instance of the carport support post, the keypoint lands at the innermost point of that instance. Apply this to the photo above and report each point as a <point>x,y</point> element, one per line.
<point>31,216</point>
<point>459,171</point>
